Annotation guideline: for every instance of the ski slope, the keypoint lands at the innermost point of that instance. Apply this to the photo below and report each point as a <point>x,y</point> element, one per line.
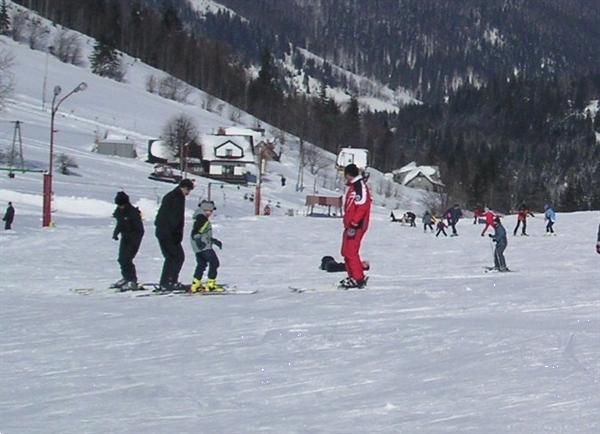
<point>434,345</point>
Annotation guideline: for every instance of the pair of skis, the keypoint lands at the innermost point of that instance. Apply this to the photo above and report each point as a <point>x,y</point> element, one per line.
<point>153,289</point>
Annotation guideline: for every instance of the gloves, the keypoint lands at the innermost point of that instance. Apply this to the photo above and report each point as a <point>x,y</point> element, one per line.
<point>115,237</point>
<point>217,243</point>
<point>350,232</point>
<point>490,235</point>
<point>598,247</point>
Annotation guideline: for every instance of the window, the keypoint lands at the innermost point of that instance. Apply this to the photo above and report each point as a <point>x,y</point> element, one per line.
<point>229,153</point>
<point>228,170</point>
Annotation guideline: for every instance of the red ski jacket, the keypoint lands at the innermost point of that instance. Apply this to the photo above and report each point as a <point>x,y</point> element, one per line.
<point>489,217</point>
<point>357,205</point>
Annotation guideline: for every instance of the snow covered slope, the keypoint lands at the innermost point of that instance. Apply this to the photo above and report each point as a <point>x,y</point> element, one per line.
<point>434,346</point>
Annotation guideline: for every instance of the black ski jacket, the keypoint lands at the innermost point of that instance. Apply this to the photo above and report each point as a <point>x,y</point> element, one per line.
<point>9,216</point>
<point>129,223</point>
<point>171,216</point>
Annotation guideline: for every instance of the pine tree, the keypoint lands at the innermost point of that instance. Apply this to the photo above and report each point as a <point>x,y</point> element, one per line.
<point>4,19</point>
<point>106,62</point>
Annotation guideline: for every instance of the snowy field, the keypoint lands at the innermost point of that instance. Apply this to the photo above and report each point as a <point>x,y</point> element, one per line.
<point>435,345</point>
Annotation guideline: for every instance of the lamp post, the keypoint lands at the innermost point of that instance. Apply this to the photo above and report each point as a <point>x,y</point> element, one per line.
<point>47,206</point>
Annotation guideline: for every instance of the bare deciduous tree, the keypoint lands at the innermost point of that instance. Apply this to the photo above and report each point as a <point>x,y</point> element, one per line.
<point>38,34</point>
<point>64,163</point>
<point>152,83</point>
<point>67,47</point>
<point>175,89</point>
<point>178,132</point>
<point>7,78</point>
<point>19,27</point>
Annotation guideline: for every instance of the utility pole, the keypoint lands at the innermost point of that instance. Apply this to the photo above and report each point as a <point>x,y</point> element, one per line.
<point>14,153</point>
<point>300,180</point>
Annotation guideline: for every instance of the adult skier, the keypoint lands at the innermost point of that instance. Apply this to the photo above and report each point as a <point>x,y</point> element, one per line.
<point>9,217</point>
<point>131,229</point>
<point>499,237</point>
<point>550,216</point>
<point>453,215</point>
<point>522,220</point>
<point>427,220</point>
<point>357,213</point>
<point>598,241</point>
<point>169,223</point>
<point>490,217</point>
<point>202,245</point>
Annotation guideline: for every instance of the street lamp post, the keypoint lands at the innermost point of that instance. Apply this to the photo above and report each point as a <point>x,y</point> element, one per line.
<point>47,206</point>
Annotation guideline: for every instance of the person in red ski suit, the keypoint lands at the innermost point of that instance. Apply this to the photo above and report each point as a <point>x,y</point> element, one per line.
<point>357,213</point>
<point>489,220</point>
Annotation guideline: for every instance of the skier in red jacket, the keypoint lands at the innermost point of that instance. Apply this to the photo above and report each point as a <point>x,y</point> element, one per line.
<point>357,212</point>
<point>489,220</point>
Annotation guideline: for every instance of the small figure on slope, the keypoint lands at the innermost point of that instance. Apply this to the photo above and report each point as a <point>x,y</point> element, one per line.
<point>130,227</point>
<point>169,223</point>
<point>550,217</point>
<point>9,217</point>
<point>357,213</point>
<point>427,220</point>
<point>202,245</point>
<point>499,237</point>
<point>522,220</point>
<point>489,220</point>
<point>598,241</point>
<point>441,227</point>
<point>453,215</point>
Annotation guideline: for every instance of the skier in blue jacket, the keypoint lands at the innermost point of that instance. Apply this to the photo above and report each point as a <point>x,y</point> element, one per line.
<point>550,216</point>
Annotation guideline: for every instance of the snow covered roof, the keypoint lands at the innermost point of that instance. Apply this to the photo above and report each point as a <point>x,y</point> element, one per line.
<point>224,148</point>
<point>412,171</point>
<point>116,139</point>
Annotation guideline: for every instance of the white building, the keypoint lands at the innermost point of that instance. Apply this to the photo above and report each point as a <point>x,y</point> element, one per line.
<point>419,177</point>
<point>226,157</point>
<point>114,144</point>
<point>357,156</point>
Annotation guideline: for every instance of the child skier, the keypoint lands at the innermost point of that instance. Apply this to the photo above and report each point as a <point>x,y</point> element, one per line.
<point>202,245</point>
<point>441,227</point>
<point>499,237</point>
<point>130,227</point>
<point>550,216</point>
<point>427,220</point>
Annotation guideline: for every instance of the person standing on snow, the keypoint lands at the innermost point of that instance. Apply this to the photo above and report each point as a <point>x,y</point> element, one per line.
<point>357,213</point>
<point>9,217</point>
<point>202,245</point>
<point>598,242</point>
<point>441,227</point>
<point>550,216</point>
<point>130,227</point>
<point>169,223</point>
<point>453,215</point>
<point>522,219</point>
<point>489,220</point>
<point>427,220</point>
<point>499,237</point>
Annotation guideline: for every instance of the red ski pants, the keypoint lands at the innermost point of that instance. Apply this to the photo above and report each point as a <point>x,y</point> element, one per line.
<point>351,254</point>
<point>487,226</point>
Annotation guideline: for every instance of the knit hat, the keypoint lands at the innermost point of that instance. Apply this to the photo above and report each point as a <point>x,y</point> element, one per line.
<point>121,198</point>
<point>352,170</point>
<point>186,183</point>
<point>207,205</point>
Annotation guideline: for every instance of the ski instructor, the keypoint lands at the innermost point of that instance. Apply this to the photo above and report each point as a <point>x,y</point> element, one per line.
<point>357,211</point>
<point>169,224</point>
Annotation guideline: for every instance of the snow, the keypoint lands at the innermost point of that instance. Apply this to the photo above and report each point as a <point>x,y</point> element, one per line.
<point>205,7</point>
<point>434,346</point>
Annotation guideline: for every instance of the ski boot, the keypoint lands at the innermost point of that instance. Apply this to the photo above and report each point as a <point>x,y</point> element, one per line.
<point>196,286</point>
<point>130,286</point>
<point>211,286</point>
<point>119,283</point>
<point>350,283</point>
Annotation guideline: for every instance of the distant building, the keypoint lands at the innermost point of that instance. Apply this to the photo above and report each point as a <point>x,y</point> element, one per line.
<point>357,156</point>
<point>120,146</point>
<point>419,177</point>
<point>228,158</point>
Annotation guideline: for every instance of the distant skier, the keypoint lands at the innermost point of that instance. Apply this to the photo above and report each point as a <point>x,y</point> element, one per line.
<point>477,214</point>
<point>357,213</point>
<point>169,223</point>
<point>489,220</point>
<point>427,220</point>
<point>550,216</point>
<point>130,227</point>
<point>499,237</point>
<point>598,241</point>
<point>522,220</point>
<point>9,217</point>
<point>202,245</point>
<point>283,181</point>
<point>441,227</point>
<point>410,218</point>
<point>453,215</point>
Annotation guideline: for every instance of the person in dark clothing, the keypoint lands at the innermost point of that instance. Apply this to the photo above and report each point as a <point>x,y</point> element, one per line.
<point>410,218</point>
<point>9,217</point>
<point>598,242</point>
<point>130,227</point>
<point>427,220</point>
<point>169,224</point>
<point>499,237</point>
<point>329,264</point>
<point>441,228</point>
<point>522,220</point>
<point>453,215</point>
